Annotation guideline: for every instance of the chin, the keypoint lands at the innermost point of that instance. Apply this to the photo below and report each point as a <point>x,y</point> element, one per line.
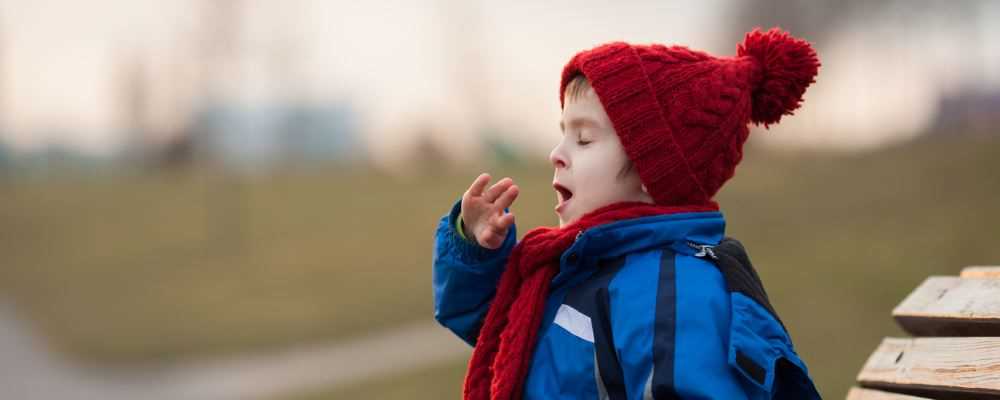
<point>564,221</point>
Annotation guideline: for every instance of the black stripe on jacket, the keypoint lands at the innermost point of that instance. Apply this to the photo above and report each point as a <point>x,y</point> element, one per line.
<point>590,297</point>
<point>664,328</point>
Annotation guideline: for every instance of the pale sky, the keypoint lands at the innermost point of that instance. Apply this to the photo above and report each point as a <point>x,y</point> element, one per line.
<point>402,62</point>
<point>440,64</point>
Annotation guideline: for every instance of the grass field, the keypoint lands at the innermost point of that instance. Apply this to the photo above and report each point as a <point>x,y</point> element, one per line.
<point>190,264</point>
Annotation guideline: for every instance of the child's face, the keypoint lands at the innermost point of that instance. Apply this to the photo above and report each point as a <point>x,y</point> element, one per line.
<point>590,162</point>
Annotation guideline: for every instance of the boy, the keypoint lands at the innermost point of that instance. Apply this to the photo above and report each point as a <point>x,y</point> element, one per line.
<point>636,295</point>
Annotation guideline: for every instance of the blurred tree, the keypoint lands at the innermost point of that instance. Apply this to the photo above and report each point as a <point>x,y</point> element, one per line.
<point>6,159</point>
<point>133,106</point>
<point>429,157</point>
<point>219,30</point>
<point>178,152</point>
<point>223,24</point>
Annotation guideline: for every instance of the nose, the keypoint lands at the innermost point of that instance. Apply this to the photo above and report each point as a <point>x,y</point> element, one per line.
<point>557,158</point>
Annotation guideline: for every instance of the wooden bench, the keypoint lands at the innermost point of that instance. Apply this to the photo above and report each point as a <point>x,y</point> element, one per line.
<point>955,351</point>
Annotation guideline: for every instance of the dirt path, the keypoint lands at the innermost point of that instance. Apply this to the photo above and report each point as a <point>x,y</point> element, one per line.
<point>28,371</point>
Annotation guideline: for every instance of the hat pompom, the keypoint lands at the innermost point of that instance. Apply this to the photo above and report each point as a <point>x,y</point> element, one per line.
<point>787,66</point>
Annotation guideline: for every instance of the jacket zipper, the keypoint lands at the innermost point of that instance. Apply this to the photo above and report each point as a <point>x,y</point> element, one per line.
<point>704,250</point>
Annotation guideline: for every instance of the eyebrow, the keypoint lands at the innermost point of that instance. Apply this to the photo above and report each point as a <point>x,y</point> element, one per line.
<point>577,121</point>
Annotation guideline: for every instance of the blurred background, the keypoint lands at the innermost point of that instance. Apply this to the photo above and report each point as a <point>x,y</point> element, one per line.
<point>229,199</point>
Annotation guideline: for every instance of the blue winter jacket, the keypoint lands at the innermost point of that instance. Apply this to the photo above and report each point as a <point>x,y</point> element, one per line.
<point>649,308</point>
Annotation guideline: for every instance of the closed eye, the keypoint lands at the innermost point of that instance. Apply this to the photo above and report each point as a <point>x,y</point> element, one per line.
<point>583,142</point>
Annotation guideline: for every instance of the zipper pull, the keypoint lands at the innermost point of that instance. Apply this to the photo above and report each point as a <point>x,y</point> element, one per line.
<point>578,234</point>
<point>704,250</point>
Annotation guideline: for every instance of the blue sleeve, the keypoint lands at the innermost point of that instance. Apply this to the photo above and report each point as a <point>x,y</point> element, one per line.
<point>465,277</point>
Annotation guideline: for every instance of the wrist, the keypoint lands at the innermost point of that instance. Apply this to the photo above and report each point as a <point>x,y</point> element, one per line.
<point>463,232</point>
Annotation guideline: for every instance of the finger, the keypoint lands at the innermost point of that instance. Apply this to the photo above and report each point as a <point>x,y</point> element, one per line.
<point>505,221</point>
<point>506,199</point>
<point>479,184</point>
<point>494,191</point>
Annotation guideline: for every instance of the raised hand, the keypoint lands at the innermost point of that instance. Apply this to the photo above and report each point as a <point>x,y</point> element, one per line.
<point>483,210</point>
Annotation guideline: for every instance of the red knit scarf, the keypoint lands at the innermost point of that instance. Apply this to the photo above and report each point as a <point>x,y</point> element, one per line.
<point>506,341</point>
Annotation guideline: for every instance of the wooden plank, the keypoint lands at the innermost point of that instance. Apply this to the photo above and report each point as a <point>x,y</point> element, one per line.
<point>951,306</point>
<point>981,271</point>
<point>939,368</point>
<point>871,394</point>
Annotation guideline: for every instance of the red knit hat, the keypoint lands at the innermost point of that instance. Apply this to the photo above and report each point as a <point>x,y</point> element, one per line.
<point>682,114</point>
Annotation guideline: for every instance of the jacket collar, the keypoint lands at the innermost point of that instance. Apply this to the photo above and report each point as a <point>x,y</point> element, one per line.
<point>626,236</point>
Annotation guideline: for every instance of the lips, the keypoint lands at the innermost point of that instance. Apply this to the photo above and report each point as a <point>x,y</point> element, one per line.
<point>563,195</point>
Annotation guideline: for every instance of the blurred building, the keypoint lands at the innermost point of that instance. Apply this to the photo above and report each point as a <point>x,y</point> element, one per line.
<point>971,111</point>
<point>262,136</point>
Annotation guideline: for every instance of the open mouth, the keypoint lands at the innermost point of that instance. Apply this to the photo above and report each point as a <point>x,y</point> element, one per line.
<point>563,194</point>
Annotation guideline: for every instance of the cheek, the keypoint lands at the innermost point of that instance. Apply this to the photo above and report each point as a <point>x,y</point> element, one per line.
<point>601,178</point>
<point>595,170</point>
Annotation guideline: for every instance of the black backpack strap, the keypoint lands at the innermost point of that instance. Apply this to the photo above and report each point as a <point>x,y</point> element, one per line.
<point>732,260</point>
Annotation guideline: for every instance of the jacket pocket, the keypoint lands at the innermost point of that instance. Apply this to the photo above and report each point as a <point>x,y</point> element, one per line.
<point>762,352</point>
